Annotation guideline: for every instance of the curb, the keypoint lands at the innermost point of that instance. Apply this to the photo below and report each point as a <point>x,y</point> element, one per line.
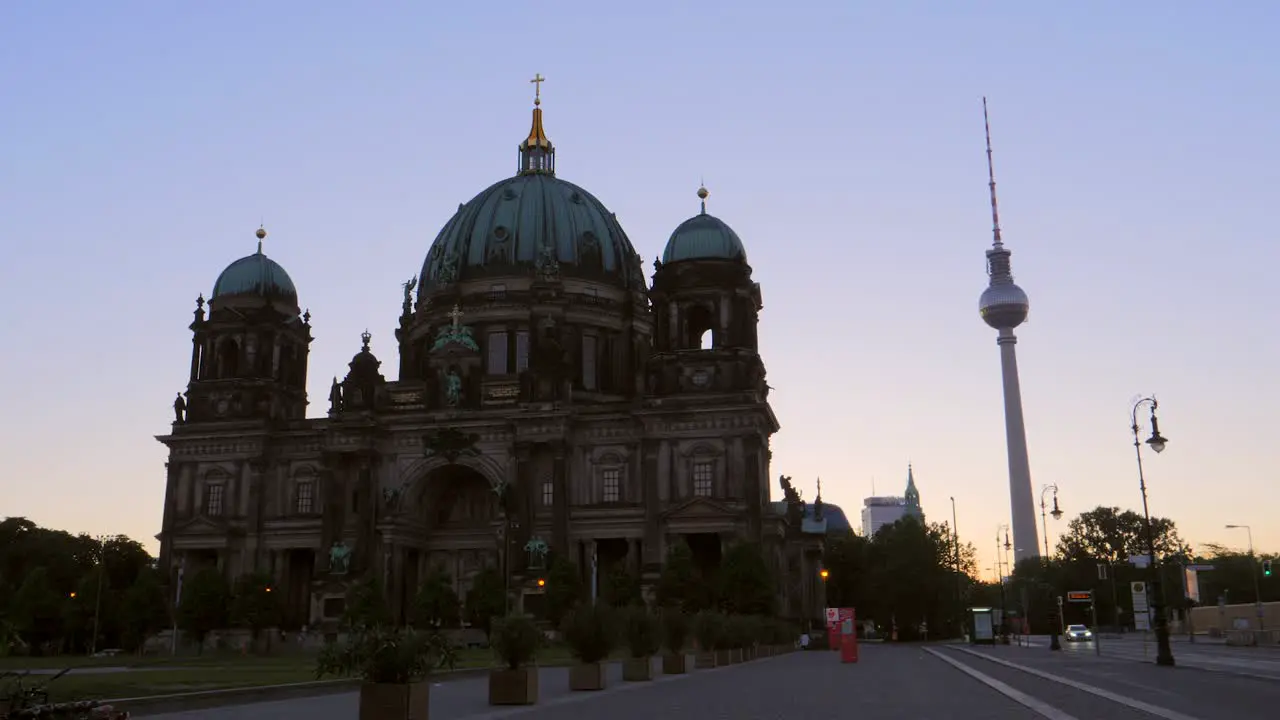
<point>205,699</point>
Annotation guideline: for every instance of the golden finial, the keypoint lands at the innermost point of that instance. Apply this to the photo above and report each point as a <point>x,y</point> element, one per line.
<point>537,88</point>
<point>262,235</point>
<point>702,195</point>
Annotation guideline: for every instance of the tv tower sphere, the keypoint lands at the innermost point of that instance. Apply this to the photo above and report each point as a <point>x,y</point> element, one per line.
<point>1004,305</point>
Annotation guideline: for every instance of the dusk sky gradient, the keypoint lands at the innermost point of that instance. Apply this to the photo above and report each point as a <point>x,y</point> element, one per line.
<point>1136,151</point>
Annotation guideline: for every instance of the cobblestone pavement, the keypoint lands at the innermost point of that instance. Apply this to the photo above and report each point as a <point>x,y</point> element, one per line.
<point>899,682</point>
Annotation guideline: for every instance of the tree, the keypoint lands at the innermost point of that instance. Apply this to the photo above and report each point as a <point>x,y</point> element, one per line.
<point>203,605</point>
<point>254,605</point>
<point>564,588</point>
<point>680,584</point>
<point>487,598</point>
<point>845,559</point>
<point>37,611</point>
<point>436,604</point>
<point>1107,534</point>
<point>366,606</point>
<point>746,586</point>
<point>621,588</point>
<point>144,610</point>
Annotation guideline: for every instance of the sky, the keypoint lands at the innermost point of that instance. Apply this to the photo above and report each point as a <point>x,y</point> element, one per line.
<point>1135,151</point>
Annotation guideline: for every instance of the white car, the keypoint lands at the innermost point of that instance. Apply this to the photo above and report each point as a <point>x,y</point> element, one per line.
<point>1078,633</point>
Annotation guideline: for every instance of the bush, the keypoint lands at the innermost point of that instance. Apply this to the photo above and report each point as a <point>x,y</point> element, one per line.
<point>675,630</point>
<point>734,636</point>
<point>515,640</point>
<point>708,629</point>
<point>643,632</point>
<point>386,656</point>
<point>590,634</point>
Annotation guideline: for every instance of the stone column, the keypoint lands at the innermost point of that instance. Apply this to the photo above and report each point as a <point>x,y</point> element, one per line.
<point>650,485</point>
<point>559,498</point>
<point>525,495</point>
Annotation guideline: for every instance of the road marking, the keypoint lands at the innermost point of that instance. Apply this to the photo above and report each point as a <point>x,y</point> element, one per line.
<point>1044,709</point>
<point>1091,689</point>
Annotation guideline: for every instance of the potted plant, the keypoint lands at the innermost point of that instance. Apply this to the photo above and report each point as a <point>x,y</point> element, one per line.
<point>708,629</point>
<point>675,633</point>
<point>393,665</point>
<point>733,639</point>
<point>642,633</point>
<point>516,641</point>
<point>589,631</point>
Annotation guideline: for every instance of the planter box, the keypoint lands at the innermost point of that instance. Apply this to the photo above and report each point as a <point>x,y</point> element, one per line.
<point>513,687</point>
<point>735,655</point>
<point>387,701</point>
<point>766,651</point>
<point>723,658</point>
<point>588,677</point>
<point>704,660</point>
<point>637,669</point>
<point>675,664</point>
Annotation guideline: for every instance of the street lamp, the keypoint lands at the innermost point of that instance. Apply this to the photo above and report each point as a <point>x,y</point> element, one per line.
<point>1164,652</point>
<point>1054,643</point>
<point>955,541</point>
<point>97,603</point>
<point>1253,570</point>
<point>1001,561</point>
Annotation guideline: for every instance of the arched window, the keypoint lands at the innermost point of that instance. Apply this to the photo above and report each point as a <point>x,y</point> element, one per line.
<point>699,326</point>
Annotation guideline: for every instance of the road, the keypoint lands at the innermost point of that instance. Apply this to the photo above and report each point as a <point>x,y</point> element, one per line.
<point>1260,662</point>
<point>906,682</point>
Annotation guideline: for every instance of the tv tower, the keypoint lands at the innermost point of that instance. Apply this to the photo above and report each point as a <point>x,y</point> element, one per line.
<point>1004,307</point>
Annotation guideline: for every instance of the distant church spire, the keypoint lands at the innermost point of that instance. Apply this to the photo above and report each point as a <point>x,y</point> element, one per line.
<point>537,154</point>
<point>912,495</point>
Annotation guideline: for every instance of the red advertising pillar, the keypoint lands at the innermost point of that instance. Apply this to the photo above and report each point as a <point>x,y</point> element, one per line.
<point>848,636</point>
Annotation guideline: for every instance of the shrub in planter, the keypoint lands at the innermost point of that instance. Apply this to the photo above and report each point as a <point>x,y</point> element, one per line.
<point>675,634</point>
<point>393,665</point>
<point>591,635</point>
<point>735,637</point>
<point>642,633</point>
<point>708,630</point>
<point>516,642</point>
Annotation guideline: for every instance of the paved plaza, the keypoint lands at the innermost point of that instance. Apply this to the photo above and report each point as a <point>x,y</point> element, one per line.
<point>916,682</point>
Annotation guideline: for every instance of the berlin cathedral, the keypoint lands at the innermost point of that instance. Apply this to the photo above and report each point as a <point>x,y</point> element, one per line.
<point>549,400</point>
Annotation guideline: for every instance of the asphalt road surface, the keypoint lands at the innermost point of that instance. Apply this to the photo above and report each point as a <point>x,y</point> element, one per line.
<point>907,682</point>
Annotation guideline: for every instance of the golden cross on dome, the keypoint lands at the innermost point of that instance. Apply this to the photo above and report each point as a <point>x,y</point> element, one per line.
<point>456,314</point>
<point>537,88</point>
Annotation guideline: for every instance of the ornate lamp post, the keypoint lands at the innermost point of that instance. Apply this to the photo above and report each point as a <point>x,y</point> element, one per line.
<point>1164,652</point>
<point>1253,570</point>
<point>1054,644</point>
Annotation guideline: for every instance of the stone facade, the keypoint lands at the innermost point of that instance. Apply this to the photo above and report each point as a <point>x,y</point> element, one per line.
<point>554,403</point>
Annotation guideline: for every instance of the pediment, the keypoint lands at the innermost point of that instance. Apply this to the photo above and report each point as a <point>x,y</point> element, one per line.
<point>699,507</point>
<point>201,525</point>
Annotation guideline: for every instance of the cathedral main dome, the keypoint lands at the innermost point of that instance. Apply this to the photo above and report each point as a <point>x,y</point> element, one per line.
<point>513,225</point>
<point>531,223</point>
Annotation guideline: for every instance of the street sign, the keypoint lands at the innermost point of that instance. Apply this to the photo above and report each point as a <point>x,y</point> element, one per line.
<point>1141,610</point>
<point>1139,561</point>
<point>1200,568</point>
<point>1080,596</point>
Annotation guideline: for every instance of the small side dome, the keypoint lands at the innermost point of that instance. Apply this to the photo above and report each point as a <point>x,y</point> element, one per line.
<point>704,237</point>
<point>256,275</point>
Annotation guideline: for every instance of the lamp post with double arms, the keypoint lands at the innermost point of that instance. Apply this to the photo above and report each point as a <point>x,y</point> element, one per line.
<point>1164,652</point>
<point>955,541</point>
<point>1054,609</point>
<point>97,603</point>
<point>1253,570</point>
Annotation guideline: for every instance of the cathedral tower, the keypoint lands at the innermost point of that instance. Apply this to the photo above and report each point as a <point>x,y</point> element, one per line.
<point>249,356</point>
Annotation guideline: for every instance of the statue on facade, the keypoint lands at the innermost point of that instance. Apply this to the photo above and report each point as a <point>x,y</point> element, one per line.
<point>335,396</point>
<point>408,291</point>
<point>448,272</point>
<point>453,389</point>
<point>546,264</point>
<point>537,549</point>
<point>179,410</point>
<point>339,558</point>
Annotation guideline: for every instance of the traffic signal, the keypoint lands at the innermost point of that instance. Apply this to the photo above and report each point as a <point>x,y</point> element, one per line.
<point>1266,568</point>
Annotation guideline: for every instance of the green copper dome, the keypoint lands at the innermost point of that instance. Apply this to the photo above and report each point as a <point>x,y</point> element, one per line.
<point>255,274</point>
<point>704,237</point>
<point>532,223</point>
